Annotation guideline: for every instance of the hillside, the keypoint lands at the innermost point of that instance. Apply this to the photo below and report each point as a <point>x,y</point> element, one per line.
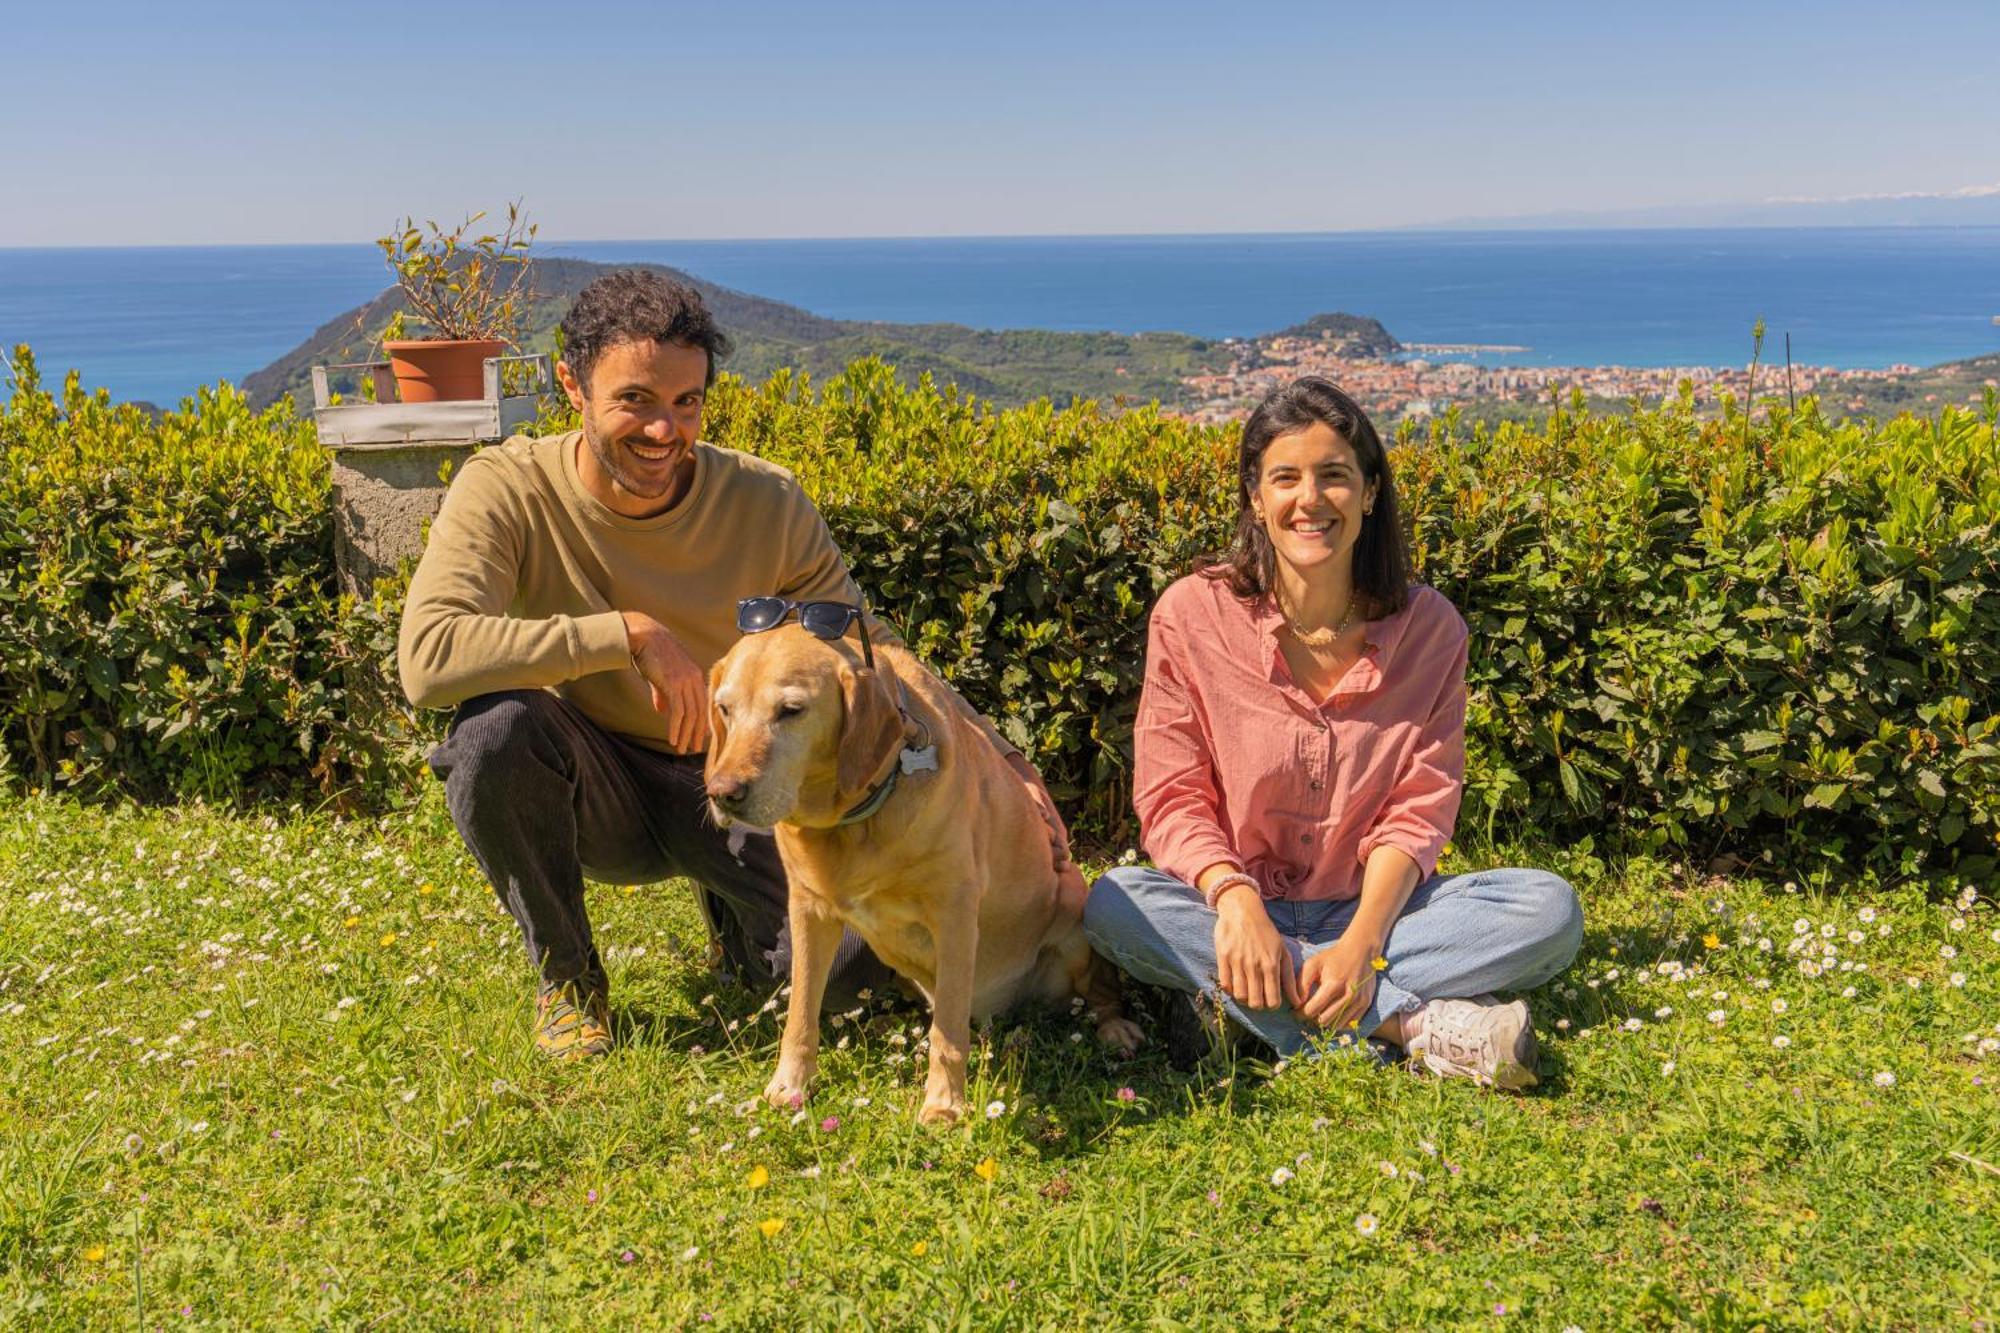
<point>760,327</point>
<point>1009,367</point>
<point>1352,335</point>
<point>1925,391</point>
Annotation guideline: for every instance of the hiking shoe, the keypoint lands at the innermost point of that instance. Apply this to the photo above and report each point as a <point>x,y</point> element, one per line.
<point>1196,1029</point>
<point>1491,1043</point>
<point>573,1019</point>
<point>1186,1035</point>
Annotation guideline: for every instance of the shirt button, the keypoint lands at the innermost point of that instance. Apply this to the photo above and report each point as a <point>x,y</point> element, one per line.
<point>1317,784</point>
<point>1305,837</point>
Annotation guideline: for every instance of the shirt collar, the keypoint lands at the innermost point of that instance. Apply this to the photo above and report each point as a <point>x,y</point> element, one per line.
<point>1380,639</point>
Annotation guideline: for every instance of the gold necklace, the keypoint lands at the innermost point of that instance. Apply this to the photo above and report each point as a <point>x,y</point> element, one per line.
<point>1318,638</point>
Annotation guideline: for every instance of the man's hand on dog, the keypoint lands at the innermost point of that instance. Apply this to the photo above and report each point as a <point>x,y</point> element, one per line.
<point>680,690</point>
<point>1069,880</point>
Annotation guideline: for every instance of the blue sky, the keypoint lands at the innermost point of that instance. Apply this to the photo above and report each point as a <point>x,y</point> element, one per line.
<point>192,123</point>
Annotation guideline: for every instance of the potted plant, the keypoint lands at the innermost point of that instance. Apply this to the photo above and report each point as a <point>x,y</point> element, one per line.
<point>465,291</point>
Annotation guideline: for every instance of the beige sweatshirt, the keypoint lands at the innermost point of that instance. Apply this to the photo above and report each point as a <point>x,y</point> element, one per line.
<point>525,576</point>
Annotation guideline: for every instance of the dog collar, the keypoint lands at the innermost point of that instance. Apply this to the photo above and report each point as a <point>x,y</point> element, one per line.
<point>910,759</point>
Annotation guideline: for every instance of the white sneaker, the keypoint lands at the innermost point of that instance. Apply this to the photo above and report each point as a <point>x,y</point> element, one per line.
<point>1481,1039</point>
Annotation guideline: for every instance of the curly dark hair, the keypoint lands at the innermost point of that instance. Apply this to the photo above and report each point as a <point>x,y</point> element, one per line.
<point>635,304</point>
<point>1381,553</point>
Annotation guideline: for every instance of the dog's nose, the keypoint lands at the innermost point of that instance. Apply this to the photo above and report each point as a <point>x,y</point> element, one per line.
<point>728,792</point>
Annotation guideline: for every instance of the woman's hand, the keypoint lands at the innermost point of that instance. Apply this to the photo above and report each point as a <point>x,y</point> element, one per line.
<point>1339,981</point>
<point>1252,963</point>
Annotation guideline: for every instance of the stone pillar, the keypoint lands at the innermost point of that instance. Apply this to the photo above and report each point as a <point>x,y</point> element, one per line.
<point>384,497</point>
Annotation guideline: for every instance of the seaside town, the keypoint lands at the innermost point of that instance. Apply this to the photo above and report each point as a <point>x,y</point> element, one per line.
<point>1426,379</point>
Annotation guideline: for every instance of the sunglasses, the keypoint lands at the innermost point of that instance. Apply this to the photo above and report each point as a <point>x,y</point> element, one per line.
<point>822,620</point>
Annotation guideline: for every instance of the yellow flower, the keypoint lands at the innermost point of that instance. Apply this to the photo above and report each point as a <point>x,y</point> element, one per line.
<point>771,1226</point>
<point>427,888</point>
<point>987,1170</point>
<point>1711,941</point>
<point>94,1255</point>
<point>388,939</point>
<point>351,922</point>
<point>921,1248</point>
<point>1614,951</point>
<point>759,1178</point>
<point>1380,964</point>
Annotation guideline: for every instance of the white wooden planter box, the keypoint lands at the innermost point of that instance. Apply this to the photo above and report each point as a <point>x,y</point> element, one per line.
<point>387,422</point>
<point>393,461</point>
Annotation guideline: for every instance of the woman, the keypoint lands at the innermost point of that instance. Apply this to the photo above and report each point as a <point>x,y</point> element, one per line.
<point>1300,751</point>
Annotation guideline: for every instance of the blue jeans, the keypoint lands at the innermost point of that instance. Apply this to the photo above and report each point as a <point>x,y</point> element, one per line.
<point>1459,936</point>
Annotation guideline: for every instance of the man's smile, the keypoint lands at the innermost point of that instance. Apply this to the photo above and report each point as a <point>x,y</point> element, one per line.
<point>653,453</point>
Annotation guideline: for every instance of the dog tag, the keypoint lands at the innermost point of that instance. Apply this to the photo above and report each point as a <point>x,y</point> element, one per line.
<point>919,761</point>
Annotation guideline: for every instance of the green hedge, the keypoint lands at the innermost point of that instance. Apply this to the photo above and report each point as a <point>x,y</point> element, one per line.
<point>1774,639</point>
<point>168,615</point>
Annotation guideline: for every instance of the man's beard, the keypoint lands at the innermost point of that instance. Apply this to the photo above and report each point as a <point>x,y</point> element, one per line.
<point>610,456</point>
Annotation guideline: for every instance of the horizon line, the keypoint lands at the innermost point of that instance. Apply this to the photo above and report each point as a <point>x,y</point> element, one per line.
<point>1427,229</point>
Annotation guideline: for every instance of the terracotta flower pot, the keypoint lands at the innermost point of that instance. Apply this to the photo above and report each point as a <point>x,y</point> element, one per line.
<point>441,371</point>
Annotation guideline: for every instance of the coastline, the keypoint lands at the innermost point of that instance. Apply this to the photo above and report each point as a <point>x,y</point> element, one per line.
<point>1646,305</point>
<point>1418,387</point>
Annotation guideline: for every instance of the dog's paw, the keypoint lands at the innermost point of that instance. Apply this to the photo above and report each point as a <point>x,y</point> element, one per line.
<point>1121,1035</point>
<point>941,1111</point>
<point>785,1092</point>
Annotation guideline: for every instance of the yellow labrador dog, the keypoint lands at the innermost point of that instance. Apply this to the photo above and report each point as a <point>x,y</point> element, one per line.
<point>896,813</point>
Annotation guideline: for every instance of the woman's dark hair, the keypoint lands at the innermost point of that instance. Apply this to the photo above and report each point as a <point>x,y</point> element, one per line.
<point>1381,554</point>
<point>636,305</point>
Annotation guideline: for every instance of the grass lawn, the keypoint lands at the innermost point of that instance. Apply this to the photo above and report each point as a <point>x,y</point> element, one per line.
<point>276,1071</point>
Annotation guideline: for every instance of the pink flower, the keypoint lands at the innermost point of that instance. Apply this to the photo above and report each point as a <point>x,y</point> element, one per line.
<point>828,1125</point>
<point>1127,1095</point>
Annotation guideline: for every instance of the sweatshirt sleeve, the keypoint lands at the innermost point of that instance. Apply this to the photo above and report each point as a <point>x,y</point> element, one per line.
<point>1417,818</point>
<point>1175,791</point>
<point>457,640</point>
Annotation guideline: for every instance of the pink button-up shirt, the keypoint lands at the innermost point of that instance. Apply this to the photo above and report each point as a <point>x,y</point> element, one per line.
<point>1234,763</point>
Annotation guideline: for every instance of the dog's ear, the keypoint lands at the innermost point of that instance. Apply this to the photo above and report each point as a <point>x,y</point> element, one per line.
<point>718,730</point>
<point>872,728</point>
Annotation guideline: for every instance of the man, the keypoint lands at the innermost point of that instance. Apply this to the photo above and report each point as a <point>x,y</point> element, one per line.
<point>575,592</point>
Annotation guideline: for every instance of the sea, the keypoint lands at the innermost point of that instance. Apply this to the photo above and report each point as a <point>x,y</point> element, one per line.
<point>151,323</point>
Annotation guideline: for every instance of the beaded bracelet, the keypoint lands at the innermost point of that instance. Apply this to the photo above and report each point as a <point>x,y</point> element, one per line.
<point>1213,893</point>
